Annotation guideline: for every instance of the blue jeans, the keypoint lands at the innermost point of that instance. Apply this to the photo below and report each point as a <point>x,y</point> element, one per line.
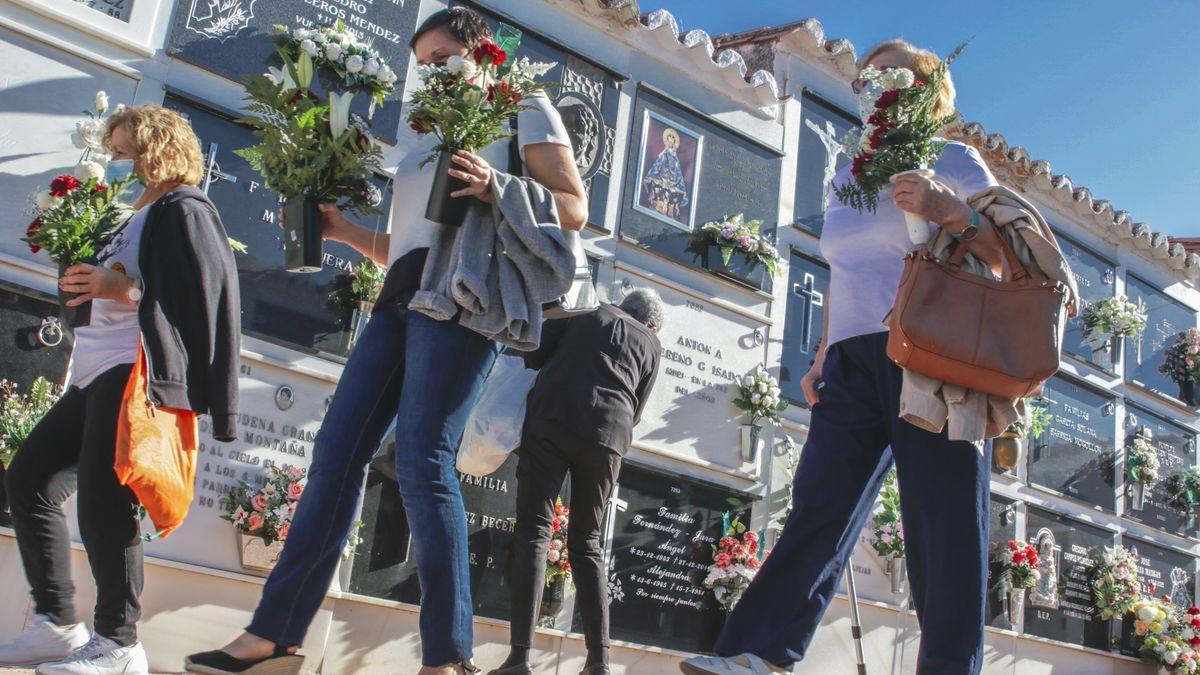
<point>427,374</point>
<point>943,503</point>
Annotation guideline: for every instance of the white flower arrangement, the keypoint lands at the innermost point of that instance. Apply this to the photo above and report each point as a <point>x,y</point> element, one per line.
<point>758,397</point>
<point>1112,317</point>
<point>337,48</point>
<point>1143,460</point>
<point>20,413</point>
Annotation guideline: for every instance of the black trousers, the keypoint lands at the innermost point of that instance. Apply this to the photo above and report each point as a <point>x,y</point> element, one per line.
<point>548,452</point>
<point>76,443</point>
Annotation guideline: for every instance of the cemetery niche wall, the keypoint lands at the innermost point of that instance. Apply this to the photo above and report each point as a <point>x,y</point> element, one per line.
<point>1175,447</point>
<point>685,170</point>
<point>1096,279</point>
<point>1166,318</point>
<point>1075,455</point>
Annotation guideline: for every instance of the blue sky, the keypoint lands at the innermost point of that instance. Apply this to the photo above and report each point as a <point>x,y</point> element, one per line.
<point>1107,91</point>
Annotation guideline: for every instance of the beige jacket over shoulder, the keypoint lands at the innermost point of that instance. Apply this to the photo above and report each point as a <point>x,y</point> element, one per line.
<point>970,415</point>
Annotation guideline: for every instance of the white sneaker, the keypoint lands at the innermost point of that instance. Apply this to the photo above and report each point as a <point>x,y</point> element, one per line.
<point>42,641</point>
<point>100,656</point>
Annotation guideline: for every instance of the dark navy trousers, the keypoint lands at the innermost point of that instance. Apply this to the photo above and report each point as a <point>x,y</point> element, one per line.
<point>944,505</point>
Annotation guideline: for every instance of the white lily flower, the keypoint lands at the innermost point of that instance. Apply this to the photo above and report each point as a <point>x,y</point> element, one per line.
<point>281,76</point>
<point>339,113</point>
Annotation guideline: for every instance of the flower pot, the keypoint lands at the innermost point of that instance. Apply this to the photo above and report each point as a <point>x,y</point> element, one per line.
<point>752,442</point>
<point>899,574</point>
<point>887,565</point>
<point>257,556</point>
<point>1137,495</point>
<point>72,317</point>
<point>1007,450</point>
<point>1015,607</point>
<point>303,247</point>
<point>358,320</point>
<point>442,208</point>
<point>740,268</point>
<point>552,599</point>
<point>1187,392</point>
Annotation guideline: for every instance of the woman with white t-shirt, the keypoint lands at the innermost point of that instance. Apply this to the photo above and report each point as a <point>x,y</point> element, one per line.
<point>166,286</point>
<point>424,373</point>
<point>856,432</point>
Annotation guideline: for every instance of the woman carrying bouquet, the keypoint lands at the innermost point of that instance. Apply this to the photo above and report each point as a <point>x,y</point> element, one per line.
<point>424,373</point>
<point>166,283</point>
<point>855,392</point>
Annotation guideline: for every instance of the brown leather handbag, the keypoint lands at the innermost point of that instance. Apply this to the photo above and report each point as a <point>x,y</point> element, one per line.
<point>998,336</point>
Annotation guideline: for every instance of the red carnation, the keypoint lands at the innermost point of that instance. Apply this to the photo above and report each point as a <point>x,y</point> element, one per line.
<point>1012,545</point>
<point>879,119</point>
<point>857,166</point>
<point>99,187</point>
<point>888,98</point>
<point>29,232</point>
<point>65,183</point>
<point>1196,621</point>
<point>1018,557</point>
<point>1193,611</point>
<point>877,136</point>
<point>489,51</point>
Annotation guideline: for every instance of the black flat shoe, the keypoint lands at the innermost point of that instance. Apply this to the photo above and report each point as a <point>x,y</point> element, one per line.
<point>518,669</point>
<point>218,662</point>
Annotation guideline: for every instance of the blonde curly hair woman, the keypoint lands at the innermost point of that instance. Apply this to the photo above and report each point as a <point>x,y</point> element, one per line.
<point>165,286</point>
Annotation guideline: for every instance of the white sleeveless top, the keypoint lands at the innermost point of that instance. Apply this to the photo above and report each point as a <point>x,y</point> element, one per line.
<point>866,250</point>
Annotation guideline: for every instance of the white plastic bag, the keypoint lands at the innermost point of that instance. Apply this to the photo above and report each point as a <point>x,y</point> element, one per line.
<point>494,428</point>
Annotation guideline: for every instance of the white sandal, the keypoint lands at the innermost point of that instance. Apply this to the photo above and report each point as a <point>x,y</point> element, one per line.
<point>726,665</point>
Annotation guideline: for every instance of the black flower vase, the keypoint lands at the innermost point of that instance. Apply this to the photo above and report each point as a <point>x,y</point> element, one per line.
<point>1187,392</point>
<point>303,247</point>
<point>72,317</point>
<point>442,208</point>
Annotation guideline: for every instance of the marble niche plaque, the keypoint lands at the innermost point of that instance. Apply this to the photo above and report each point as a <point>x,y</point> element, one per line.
<point>1163,572</point>
<point>280,414</point>
<point>1176,450</point>
<point>1075,455</point>
<point>705,351</point>
<point>1167,317</point>
<point>1075,621</point>
<point>665,527</point>
<point>233,38</point>
<point>684,171</point>
<point>283,307</point>
<point>24,314</point>
<point>822,128</point>
<point>805,322</point>
<point>1096,279</point>
<point>1002,529</point>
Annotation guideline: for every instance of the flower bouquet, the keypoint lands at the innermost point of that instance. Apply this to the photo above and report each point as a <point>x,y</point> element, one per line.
<point>1185,493</point>
<point>558,568</point>
<point>898,136</point>
<point>1182,364</point>
<point>466,104</point>
<point>347,62</point>
<point>1018,573</point>
<point>356,292</point>
<point>1142,464</point>
<point>311,149</point>
<point>758,397</point>
<point>736,560</point>
<point>20,413</point>
<point>79,212</point>
<point>262,514</point>
<point>1108,321</point>
<point>736,234</point>
<point>889,533</point>
<point>1114,580</point>
<point>1168,636</point>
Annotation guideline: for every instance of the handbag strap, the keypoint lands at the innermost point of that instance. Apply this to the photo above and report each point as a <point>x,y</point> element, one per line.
<point>1014,269</point>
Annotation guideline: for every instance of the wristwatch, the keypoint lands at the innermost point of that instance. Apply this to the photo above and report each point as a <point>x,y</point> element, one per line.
<point>134,294</point>
<point>970,231</point>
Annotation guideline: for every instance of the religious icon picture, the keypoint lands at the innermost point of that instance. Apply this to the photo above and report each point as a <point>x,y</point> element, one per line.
<point>668,171</point>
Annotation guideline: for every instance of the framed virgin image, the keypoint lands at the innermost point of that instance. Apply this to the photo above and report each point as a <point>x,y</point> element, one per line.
<point>668,171</point>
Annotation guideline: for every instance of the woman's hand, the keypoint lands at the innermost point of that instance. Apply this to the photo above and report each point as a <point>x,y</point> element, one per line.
<point>811,379</point>
<point>931,200</point>
<point>92,282</point>
<point>476,172</point>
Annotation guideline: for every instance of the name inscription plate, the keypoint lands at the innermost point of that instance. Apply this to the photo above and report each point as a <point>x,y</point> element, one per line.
<point>1075,454</point>
<point>1075,621</point>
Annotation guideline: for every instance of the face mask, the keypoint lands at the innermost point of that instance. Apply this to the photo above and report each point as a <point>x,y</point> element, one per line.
<point>118,170</point>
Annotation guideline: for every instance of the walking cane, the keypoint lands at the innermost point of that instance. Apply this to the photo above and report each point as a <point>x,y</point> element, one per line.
<point>855,619</point>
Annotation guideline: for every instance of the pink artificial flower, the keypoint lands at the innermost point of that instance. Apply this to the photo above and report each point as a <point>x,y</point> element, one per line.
<point>294,490</point>
<point>753,563</point>
<point>254,523</point>
<point>727,542</point>
<point>259,503</point>
<point>283,530</point>
<point>553,556</point>
<point>556,545</point>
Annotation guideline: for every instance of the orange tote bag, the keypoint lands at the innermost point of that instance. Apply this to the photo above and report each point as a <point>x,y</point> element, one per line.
<point>156,453</point>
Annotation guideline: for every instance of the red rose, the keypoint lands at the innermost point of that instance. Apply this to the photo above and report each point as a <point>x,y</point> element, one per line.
<point>888,98</point>
<point>489,51</point>
<point>1196,621</point>
<point>877,136</point>
<point>1018,558</point>
<point>857,166</point>
<point>1012,545</point>
<point>65,183</point>
<point>34,227</point>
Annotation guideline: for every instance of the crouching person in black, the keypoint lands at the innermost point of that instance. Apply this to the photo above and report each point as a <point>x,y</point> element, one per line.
<point>597,371</point>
